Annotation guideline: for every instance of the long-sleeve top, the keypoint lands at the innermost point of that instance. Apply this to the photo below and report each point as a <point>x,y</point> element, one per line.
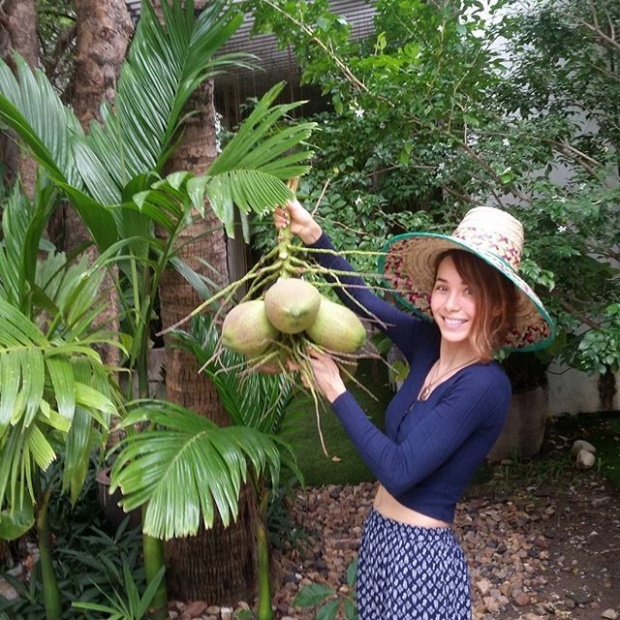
<point>430,449</point>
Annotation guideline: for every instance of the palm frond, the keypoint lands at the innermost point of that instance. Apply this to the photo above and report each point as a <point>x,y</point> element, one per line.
<point>22,449</point>
<point>19,246</point>
<point>251,170</point>
<point>251,399</point>
<point>29,105</point>
<point>28,360</point>
<point>188,468</point>
<point>170,59</point>
<point>261,144</point>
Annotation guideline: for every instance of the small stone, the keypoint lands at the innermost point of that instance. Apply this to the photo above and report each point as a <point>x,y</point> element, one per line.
<point>585,459</point>
<point>580,445</point>
<point>7,591</point>
<point>580,598</point>
<point>521,599</point>
<point>484,586</point>
<point>491,604</point>
<point>609,614</point>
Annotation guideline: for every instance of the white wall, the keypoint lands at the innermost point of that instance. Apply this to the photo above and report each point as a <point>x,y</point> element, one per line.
<point>573,392</point>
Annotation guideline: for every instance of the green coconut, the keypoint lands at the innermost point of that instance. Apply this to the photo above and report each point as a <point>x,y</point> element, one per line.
<point>336,328</point>
<point>292,304</point>
<point>247,330</point>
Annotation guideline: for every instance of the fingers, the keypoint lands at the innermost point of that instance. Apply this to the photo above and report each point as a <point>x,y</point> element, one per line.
<point>281,217</point>
<point>284,215</point>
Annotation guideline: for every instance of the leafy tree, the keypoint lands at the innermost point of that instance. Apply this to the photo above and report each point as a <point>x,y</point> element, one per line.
<point>122,156</point>
<point>448,106</point>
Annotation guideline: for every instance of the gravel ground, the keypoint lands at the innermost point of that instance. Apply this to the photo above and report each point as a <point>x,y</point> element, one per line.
<point>549,551</point>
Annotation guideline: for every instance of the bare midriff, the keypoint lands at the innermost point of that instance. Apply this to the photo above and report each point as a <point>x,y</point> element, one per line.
<point>386,505</point>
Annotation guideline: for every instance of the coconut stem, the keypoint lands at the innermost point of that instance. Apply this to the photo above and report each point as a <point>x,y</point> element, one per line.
<point>285,238</point>
<point>227,292</point>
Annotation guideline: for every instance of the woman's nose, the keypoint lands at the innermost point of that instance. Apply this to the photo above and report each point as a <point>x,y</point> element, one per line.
<point>453,301</point>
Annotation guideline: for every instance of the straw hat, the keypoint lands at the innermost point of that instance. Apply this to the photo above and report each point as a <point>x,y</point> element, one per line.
<point>409,262</point>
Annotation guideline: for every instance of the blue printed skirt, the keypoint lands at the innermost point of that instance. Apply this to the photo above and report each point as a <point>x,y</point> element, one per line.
<point>407,572</point>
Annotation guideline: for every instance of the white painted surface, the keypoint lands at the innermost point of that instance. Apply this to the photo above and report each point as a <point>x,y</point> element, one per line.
<point>572,391</point>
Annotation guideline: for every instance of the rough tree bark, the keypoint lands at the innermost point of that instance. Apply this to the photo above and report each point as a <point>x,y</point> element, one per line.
<point>219,565</point>
<point>104,29</point>
<point>19,20</point>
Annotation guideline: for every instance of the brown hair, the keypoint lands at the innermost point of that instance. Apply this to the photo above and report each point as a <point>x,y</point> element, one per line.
<point>496,301</point>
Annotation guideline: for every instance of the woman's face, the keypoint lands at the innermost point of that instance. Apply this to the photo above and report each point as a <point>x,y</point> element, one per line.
<point>453,303</point>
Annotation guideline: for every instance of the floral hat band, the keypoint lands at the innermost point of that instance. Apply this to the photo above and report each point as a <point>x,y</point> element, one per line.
<point>409,262</point>
<point>505,247</point>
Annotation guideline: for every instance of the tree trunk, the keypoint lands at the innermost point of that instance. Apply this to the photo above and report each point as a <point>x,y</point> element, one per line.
<point>104,29</point>
<point>19,18</point>
<point>218,565</point>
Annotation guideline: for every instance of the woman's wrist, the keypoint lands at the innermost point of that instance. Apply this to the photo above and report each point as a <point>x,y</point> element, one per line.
<point>334,391</point>
<point>311,234</point>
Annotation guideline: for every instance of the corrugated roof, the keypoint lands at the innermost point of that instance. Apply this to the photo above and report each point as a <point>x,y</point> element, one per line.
<point>274,64</point>
<point>358,13</point>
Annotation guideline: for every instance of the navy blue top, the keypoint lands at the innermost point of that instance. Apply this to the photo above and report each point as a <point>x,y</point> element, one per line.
<point>430,449</point>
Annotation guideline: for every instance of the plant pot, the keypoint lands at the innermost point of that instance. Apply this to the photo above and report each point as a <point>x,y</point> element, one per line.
<point>110,502</point>
<point>524,430</point>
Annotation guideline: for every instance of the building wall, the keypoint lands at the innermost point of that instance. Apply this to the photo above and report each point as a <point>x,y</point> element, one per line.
<point>573,392</point>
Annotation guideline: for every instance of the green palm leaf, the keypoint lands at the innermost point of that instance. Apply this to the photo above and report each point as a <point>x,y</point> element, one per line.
<point>171,60</point>
<point>251,399</point>
<point>29,105</point>
<point>188,468</point>
<point>251,169</point>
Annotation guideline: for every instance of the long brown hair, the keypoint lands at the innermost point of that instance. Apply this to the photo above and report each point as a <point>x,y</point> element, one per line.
<point>496,301</point>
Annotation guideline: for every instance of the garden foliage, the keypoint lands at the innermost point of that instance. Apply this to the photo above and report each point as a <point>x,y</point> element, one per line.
<point>449,105</point>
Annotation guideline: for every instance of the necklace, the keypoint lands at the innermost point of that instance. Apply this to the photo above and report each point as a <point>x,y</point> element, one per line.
<point>426,389</point>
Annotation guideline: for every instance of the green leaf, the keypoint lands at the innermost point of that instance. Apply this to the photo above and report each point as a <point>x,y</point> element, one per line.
<point>16,522</point>
<point>187,468</point>
<point>313,595</point>
<point>329,611</point>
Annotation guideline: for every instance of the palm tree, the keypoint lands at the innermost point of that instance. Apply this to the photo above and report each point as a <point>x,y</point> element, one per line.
<point>255,401</point>
<point>55,389</point>
<point>122,156</point>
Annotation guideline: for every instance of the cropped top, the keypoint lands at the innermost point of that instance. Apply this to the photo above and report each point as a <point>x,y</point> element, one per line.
<point>429,450</point>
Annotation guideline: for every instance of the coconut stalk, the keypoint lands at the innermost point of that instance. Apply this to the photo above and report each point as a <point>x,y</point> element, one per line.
<point>264,610</point>
<point>249,329</point>
<point>51,592</point>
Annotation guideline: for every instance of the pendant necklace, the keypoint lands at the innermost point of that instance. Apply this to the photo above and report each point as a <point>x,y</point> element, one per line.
<point>426,389</point>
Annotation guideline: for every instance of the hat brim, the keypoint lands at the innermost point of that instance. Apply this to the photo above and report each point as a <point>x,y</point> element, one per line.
<point>408,265</point>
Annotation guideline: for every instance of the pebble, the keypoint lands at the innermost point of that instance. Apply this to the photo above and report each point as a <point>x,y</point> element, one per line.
<point>512,548</point>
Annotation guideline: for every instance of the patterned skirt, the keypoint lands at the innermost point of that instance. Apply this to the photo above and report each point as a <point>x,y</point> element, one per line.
<point>407,572</point>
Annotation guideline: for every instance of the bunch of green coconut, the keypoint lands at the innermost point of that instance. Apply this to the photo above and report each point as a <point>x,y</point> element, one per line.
<point>275,332</point>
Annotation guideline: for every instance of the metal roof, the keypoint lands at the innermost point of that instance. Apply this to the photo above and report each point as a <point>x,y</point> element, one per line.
<point>273,64</point>
<point>273,60</point>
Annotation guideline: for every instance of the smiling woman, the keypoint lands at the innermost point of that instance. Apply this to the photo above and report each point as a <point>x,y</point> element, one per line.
<point>471,299</point>
<point>448,413</point>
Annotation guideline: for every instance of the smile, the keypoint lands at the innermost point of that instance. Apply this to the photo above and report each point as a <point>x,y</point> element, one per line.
<point>454,323</point>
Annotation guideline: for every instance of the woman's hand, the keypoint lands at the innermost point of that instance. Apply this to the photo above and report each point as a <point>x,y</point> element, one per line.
<point>302,223</point>
<point>326,375</point>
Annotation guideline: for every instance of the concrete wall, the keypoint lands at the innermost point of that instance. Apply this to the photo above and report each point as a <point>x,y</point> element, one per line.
<point>571,391</point>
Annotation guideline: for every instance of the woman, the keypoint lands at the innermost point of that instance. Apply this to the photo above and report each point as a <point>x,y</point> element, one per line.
<point>452,405</point>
